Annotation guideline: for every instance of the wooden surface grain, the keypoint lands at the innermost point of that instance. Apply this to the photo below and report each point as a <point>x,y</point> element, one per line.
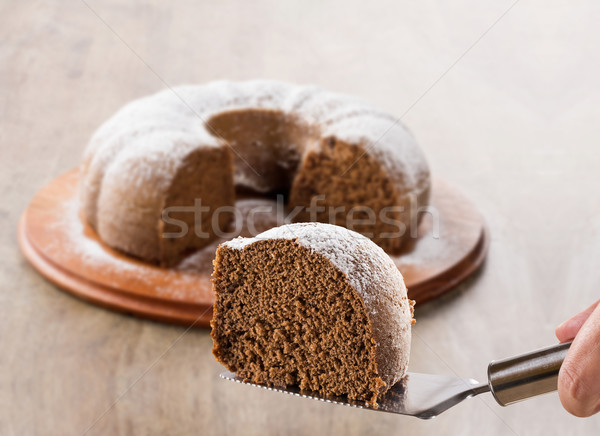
<point>504,104</point>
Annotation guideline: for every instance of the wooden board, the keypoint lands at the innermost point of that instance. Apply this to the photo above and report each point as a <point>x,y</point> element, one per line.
<point>451,244</point>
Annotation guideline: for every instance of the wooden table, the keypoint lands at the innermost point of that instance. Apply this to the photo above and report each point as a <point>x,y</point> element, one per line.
<point>507,110</point>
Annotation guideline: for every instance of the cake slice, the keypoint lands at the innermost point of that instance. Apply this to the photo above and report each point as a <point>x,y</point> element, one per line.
<point>313,305</point>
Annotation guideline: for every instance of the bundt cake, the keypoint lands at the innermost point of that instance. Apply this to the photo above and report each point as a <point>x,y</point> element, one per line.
<point>313,305</point>
<point>192,146</point>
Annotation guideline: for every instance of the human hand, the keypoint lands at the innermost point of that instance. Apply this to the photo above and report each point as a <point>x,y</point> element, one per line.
<point>579,376</point>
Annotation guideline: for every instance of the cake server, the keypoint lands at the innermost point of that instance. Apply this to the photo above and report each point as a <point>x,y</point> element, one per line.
<point>426,395</point>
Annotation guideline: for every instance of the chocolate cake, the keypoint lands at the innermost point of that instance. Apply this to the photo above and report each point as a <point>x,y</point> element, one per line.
<point>313,305</point>
<point>356,164</point>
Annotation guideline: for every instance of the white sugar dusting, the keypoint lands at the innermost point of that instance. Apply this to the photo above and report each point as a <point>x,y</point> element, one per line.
<point>97,258</point>
<point>364,263</point>
<point>182,112</point>
<point>90,250</point>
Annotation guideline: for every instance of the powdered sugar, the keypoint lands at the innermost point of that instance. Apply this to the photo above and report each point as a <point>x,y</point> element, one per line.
<point>134,156</point>
<point>364,262</point>
<point>77,248</point>
<point>187,109</point>
<point>88,249</point>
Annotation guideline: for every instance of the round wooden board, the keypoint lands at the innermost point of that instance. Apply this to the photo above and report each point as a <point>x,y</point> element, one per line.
<point>451,244</point>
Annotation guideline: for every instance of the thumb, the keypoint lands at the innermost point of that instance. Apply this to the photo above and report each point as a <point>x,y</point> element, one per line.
<point>568,329</point>
<point>579,376</point>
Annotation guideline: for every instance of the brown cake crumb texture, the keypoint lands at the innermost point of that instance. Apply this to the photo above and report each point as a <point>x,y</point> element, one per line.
<point>286,315</point>
<point>199,177</point>
<point>345,177</point>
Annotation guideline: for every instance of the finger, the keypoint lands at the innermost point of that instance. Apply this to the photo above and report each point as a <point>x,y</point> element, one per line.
<point>568,329</point>
<point>579,376</point>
